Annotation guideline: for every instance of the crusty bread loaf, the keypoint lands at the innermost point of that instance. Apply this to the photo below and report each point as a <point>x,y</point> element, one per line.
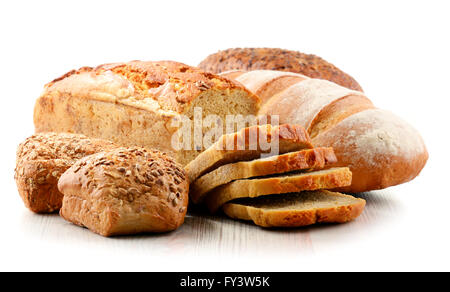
<point>279,184</point>
<point>296,209</point>
<point>249,59</point>
<point>309,159</point>
<point>247,144</point>
<point>40,161</point>
<point>140,103</point>
<point>125,191</point>
<point>379,148</point>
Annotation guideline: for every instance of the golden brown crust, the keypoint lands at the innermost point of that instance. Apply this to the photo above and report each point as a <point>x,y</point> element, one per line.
<point>277,59</point>
<point>310,159</point>
<point>40,161</point>
<point>172,84</point>
<point>125,191</point>
<point>140,104</point>
<point>241,146</point>
<point>251,188</point>
<point>341,212</point>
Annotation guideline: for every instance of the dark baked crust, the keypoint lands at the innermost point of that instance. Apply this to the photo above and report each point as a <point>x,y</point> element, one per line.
<point>277,59</point>
<point>40,161</point>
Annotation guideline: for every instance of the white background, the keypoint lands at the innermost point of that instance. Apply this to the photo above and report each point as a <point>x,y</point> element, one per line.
<point>397,50</point>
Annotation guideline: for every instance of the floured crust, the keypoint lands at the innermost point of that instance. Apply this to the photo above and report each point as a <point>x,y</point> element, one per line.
<point>125,191</point>
<point>40,161</point>
<point>296,210</point>
<point>281,184</point>
<point>311,96</point>
<point>248,59</point>
<point>267,83</point>
<point>380,149</point>
<point>372,142</point>
<point>310,159</point>
<point>246,145</point>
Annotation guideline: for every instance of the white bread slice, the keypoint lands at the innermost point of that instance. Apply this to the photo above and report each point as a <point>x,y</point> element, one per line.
<point>309,159</point>
<point>280,184</point>
<point>296,209</point>
<point>246,145</point>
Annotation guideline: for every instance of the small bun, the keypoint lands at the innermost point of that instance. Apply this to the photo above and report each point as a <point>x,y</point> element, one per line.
<point>125,191</point>
<point>40,161</point>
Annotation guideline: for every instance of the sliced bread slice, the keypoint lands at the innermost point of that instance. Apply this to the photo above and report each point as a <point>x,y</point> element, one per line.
<point>309,159</point>
<point>280,184</point>
<point>296,209</point>
<point>248,144</point>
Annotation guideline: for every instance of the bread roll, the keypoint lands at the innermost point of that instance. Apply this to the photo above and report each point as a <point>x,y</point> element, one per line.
<point>125,191</point>
<point>40,161</point>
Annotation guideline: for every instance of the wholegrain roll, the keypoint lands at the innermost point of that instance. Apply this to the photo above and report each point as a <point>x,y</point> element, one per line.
<point>42,158</point>
<point>125,191</point>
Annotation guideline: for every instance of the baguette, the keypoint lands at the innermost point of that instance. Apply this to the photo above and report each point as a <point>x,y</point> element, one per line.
<point>125,191</point>
<point>249,59</point>
<point>296,209</point>
<point>380,148</point>
<point>140,103</point>
<point>40,161</point>
<point>310,159</point>
<point>281,184</point>
<point>247,145</point>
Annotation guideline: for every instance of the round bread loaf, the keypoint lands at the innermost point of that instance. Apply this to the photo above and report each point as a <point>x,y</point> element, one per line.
<point>125,191</point>
<point>277,59</point>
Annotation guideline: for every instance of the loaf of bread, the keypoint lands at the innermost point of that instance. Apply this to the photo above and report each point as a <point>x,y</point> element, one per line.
<point>310,159</point>
<point>141,104</point>
<point>249,59</point>
<point>125,191</point>
<point>380,148</point>
<point>296,209</point>
<point>40,161</point>
<point>278,184</point>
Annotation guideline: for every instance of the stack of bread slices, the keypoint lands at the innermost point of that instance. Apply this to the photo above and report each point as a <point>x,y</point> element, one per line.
<point>283,188</point>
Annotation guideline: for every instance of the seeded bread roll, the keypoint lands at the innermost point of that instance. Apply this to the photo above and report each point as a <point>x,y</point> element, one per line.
<point>249,59</point>
<point>40,161</point>
<point>144,104</point>
<point>125,191</point>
